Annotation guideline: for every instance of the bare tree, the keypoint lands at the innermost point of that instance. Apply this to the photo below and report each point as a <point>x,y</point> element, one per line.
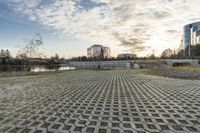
<point>31,50</point>
<point>32,47</point>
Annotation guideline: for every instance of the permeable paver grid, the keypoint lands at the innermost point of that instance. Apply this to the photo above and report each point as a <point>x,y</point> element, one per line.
<point>99,102</point>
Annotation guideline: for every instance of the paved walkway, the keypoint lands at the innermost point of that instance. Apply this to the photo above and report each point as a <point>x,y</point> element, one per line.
<point>99,102</point>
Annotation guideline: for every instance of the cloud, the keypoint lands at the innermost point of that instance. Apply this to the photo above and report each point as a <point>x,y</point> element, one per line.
<point>172,31</point>
<point>24,4</point>
<point>137,25</point>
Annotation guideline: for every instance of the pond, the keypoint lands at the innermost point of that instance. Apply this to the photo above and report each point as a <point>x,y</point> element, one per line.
<point>43,69</point>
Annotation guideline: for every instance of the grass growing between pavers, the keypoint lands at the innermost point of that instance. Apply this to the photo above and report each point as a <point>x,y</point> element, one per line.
<point>99,101</point>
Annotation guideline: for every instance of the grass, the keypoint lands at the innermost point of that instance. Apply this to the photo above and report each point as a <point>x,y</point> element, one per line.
<point>149,71</point>
<point>10,74</point>
<point>173,72</point>
<point>187,69</point>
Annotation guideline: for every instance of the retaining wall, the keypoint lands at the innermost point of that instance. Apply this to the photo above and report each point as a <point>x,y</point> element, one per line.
<point>102,64</point>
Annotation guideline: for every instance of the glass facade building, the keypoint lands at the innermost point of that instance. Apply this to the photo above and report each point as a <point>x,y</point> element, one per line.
<point>191,37</point>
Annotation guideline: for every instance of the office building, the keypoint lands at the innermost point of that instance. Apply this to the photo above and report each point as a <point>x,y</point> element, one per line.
<point>98,51</point>
<point>191,36</point>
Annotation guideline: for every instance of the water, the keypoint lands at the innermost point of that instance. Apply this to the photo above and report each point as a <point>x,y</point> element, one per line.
<point>66,68</point>
<point>42,69</point>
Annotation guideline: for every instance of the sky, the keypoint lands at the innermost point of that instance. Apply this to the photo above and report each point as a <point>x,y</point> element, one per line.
<point>69,27</point>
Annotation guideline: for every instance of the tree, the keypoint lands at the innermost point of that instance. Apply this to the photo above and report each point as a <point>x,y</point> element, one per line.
<point>56,58</point>
<point>2,53</point>
<point>192,51</point>
<point>152,56</point>
<point>180,54</point>
<point>21,56</point>
<point>2,61</point>
<point>32,47</point>
<point>54,62</point>
<point>197,50</point>
<point>168,53</point>
<point>5,56</point>
<point>62,60</point>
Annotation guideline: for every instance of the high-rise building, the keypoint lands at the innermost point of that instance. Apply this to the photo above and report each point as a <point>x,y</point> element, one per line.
<point>98,50</point>
<point>191,36</point>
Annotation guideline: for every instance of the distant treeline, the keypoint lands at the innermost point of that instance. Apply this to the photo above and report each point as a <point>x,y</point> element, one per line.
<point>84,58</point>
<point>182,54</point>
